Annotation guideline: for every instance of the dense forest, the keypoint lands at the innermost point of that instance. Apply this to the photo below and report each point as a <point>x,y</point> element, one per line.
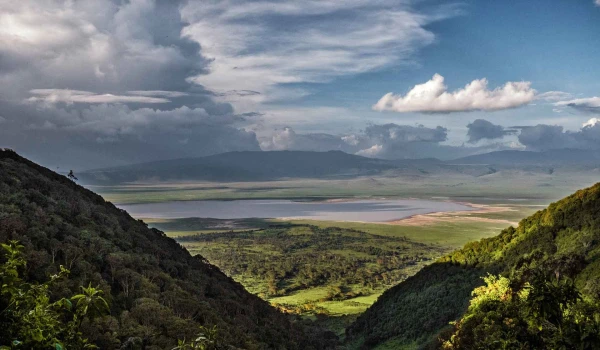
<point>553,254</point>
<point>282,260</point>
<point>156,293</point>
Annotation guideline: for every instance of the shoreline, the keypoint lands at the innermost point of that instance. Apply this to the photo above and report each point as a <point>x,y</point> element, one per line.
<point>456,216</point>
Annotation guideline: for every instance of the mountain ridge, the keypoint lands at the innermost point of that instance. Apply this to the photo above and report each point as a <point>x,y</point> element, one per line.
<point>157,291</point>
<point>566,234</point>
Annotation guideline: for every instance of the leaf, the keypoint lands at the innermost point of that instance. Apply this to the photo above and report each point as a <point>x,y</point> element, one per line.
<point>57,346</point>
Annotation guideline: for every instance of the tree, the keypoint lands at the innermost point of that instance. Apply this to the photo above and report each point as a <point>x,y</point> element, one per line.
<point>72,176</point>
<point>539,312</point>
<point>30,320</point>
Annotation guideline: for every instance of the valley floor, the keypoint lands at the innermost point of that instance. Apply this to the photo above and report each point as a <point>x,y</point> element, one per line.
<point>297,266</point>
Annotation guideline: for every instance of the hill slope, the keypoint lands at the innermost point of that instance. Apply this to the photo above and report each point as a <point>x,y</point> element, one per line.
<point>244,166</point>
<point>157,291</point>
<point>564,238</point>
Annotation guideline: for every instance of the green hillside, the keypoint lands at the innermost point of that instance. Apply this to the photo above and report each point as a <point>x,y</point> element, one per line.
<point>562,240</point>
<point>157,292</point>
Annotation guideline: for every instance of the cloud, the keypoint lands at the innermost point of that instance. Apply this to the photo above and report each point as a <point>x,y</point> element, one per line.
<point>597,2</point>
<point>109,134</point>
<point>395,134</point>
<point>545,137</point>
<point>589,105</point>
<point>77,96</point>
<point>481,129</point>
<point>377,140</point>
<point>264,45</point>
<point>77,78</point>
<point>553,96</point>
<point>100,45</point>
<point>591,123</point>
<point>433,97</point>
<point>288,139</point>
<point>371,152</point>
<point>159,93</point>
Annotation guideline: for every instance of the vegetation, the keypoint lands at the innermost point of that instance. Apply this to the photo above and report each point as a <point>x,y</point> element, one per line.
<point>29,320</point>
<point>308,269</point>
<point>563,237</point>
<point>536,310</point>
<point>157,292</point>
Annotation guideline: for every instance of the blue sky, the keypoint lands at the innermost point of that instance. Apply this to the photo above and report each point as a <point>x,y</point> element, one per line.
<point>553,44</point>
<point>103,82</point>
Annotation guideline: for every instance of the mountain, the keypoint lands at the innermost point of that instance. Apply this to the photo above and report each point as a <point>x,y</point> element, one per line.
<point>157,292</point>
<point>244,166</point>
<point>556,157</point>
<point>562,240</point>
<point>277,165</point>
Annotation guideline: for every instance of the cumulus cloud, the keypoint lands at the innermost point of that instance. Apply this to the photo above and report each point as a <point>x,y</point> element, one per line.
<point>387,141</point>
<point>433,97</point>
<point>288,139</point>
<point>481,129</point>
<point>261,46</point>
<point>546,137</point>
<point>589,105</point>
<point>371,152</point>
<point>591,123</point>
<point>376,140</point>
<point>77,78</point>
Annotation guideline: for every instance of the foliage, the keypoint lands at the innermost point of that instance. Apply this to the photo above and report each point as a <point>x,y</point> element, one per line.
<point>31,320</point>
<point>207,339</point>
<point>563,239</point>
<point>283,260</point>
<point>157,291</point>
<point>545,312</point>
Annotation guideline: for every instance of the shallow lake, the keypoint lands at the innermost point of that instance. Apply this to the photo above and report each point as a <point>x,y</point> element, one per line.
<point>354,210</point>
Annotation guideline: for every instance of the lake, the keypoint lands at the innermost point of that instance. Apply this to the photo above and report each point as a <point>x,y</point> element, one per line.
<point>353,210</point>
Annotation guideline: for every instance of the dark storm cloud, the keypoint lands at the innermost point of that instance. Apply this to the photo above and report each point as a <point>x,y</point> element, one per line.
<point>481,129</point>
<point>101,82</point>
<point>544,137</point>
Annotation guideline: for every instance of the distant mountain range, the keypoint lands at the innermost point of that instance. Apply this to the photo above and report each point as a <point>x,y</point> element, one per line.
<point>275,165</point>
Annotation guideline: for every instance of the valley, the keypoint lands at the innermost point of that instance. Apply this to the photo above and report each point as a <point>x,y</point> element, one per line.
<point>325,270</point>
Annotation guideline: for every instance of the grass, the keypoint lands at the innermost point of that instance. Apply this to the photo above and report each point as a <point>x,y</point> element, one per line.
<point>299,267</point>
<point>446,234</point>
<point>508,187</point>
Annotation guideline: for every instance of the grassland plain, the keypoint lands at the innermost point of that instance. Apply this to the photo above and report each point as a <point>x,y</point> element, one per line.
<point>505,186</point>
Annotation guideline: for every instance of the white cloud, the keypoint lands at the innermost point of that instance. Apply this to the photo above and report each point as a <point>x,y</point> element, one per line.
<point>260,45</point>
<point>433,97</point>
<point>554,96</point>
<point>94,44</point>
<point>158,93</point>
<point>372,151</point>
<point>597,2</point>
<point>589,104</point>
<point>78,96</point>
<point>592,122</point>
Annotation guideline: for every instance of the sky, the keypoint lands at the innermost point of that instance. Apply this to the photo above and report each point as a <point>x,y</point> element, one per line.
<point>94,83</point>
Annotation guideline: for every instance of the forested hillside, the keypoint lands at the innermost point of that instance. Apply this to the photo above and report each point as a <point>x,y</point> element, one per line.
<point>157,292</point>
<point>561,243</point>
